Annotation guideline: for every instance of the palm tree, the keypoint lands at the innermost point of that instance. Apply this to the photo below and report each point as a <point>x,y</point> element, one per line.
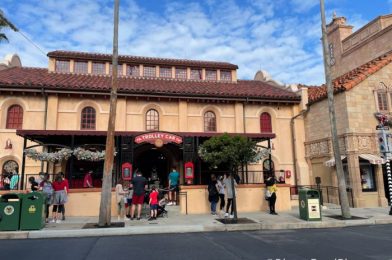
<point>4,23</point>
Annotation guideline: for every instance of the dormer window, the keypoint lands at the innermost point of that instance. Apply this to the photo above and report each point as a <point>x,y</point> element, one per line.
<point>149,71</point>
<point>80,67</point>
<point>98,68</point>
<point>62,66</point>
<point>210,74</point>
<point>133,70</point>
<point>225,75</point>
<point>196,74</point>
<point>165,72</point>
<point>180,73</point>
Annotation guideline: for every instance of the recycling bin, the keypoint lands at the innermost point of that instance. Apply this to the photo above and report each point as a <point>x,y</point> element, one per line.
<point>10,211</point>
<point>32,215</point>
<point>309,205</point>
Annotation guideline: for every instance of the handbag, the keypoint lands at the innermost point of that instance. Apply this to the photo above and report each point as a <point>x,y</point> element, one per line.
<point>268,194</point>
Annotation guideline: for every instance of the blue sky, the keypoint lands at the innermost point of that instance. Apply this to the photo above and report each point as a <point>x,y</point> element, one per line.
<point>281,37</point>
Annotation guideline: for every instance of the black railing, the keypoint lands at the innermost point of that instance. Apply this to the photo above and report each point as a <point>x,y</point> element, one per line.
<point>249,177</point>
<point>328,194</point>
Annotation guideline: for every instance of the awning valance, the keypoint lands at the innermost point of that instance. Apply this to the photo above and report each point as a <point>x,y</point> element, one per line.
<point>331,162</point>
<point>373,159</point>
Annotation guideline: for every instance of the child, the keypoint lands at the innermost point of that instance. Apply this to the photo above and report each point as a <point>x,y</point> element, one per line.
<point>120,196</point>
<point>33,184</point>
<point>153,203</point>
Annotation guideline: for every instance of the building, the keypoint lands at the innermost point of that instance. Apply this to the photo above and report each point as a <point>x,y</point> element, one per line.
<point>166,108</point>
<point>361,66</point>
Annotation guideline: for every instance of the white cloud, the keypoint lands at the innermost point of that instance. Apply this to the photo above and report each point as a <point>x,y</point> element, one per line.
<point>251,36</point>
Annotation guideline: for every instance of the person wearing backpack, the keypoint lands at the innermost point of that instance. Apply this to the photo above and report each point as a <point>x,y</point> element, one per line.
<point>47,188</point>
<point>213,194</point>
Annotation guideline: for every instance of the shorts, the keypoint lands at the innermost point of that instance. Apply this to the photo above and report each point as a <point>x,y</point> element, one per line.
<point>137,199</point>
<point>173,187</point>
<point>154,206</point>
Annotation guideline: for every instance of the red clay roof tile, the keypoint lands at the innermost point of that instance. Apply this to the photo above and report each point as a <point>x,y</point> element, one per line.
<point>37,78</point>
<point>350,79</point>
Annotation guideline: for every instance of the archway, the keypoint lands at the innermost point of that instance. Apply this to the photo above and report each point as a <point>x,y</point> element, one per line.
<point>162,159</point>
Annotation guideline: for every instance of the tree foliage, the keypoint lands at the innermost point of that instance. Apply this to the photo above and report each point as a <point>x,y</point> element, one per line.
<point>230,151</point>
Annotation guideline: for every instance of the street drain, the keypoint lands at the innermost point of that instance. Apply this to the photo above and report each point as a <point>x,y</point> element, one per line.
<point>236,221</point>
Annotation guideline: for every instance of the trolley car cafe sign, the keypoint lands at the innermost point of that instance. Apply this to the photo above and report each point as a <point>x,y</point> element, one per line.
<point>158,138</point>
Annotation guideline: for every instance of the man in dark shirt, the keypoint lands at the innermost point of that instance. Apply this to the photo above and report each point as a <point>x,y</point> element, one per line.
<point>139,185</point>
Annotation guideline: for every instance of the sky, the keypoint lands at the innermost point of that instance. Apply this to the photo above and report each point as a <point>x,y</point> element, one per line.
<point>281,37</point>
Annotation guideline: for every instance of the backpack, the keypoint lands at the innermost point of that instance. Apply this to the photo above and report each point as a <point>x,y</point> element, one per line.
<point>212,191</point>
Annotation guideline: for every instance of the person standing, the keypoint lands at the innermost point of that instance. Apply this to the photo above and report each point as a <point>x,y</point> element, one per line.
<point>213,194</point>
<point>271,187</point>
<point>153,203</point>
<point>33,184</point>
<point>14,181</point>
<point>174,177</point>
<point>120,199</point>
<point>139,185</point>
<point>60,197</point>
<point>229,194</point>
<point>67,187</point>
<point>47,188</point>
<point>6,182</point>
<point>221,189</point>
<point>88,180</point>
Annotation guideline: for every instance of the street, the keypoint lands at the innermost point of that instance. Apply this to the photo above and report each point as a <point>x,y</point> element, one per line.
<point>365,242</point>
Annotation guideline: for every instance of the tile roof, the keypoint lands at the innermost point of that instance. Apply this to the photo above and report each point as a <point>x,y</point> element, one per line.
<point>350,79</point>
<point>141,60</point>
<point>38,78</point>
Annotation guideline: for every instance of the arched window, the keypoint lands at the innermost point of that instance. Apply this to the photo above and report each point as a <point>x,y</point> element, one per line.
<point>14,117</point>
<point>209,122</point>
<point>152,120</point>
<point>265,123</point>
<point>87,120</point>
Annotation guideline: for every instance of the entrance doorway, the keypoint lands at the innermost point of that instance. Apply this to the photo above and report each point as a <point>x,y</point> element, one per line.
<point>152,161</point>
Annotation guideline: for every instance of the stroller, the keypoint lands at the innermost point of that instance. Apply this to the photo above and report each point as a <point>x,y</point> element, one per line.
<point>162,212</point>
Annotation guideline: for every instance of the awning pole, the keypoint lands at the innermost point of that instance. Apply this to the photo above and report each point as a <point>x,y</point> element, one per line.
<point>23,163</point>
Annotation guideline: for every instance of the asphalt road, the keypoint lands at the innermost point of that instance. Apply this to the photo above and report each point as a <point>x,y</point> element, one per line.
<point>354,243</point>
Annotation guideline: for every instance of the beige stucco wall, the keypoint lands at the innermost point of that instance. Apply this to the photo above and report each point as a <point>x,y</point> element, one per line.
<point>250,198</point>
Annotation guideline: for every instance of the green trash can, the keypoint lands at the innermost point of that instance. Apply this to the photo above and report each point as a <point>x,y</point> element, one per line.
<point>32,216</point>
<point>309,205</point>
<point>10,211</point>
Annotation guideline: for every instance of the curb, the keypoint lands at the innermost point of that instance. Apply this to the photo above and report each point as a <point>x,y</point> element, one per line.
<point>145,230</point>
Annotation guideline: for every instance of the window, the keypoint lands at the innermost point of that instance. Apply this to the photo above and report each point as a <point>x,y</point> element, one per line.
<point>87,121</point>
<point>14,117</point>
<point>133,70</point>
<point>225,75</point>
<point>265,123</point>
<point>152,120</point>
<point>149,71</point>
<point>80,67</point>
<point>209,122</point>
<point>62,66</point>
<point>196,74</point>
<point>382,101</point>
<point>368,180</point>
<point>99,68</point>
<point>10,167</point>
<point>119,69</point>
<point>165,72</point>
<point>180,73</point>
<point>210,74</point>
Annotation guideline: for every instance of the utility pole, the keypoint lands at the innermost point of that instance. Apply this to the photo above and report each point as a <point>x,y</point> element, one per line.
<point>106,194</point>
<point>345,207</point>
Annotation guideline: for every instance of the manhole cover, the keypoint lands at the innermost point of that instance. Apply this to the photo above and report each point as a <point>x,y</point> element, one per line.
<point>339,217</point>
<point>113,225</point>
<point>236,221</point>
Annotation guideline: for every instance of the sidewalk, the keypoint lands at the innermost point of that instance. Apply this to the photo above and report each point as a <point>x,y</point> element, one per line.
<point>177,223</point>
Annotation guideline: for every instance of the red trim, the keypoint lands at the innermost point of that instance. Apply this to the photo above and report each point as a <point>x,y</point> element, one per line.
<point>26,133</point>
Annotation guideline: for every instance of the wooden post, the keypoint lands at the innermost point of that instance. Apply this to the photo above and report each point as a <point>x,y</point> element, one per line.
<point>345,206</point>
<point>106,194</point>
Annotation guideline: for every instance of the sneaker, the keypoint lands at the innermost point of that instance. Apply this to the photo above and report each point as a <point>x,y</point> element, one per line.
<point>63,218</point>
<point>231,216</point>
<point>58,221</point>
<point>138,218</point>
<point>226,215</point>
<point>150,219</point>
<point>53,221</point>
<point>174,204</point>
<point>274,213</point>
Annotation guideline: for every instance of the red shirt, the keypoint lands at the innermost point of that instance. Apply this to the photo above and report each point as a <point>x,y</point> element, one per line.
<point>87,179</point>
<point>59,185</point>
<point>154,197</point>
